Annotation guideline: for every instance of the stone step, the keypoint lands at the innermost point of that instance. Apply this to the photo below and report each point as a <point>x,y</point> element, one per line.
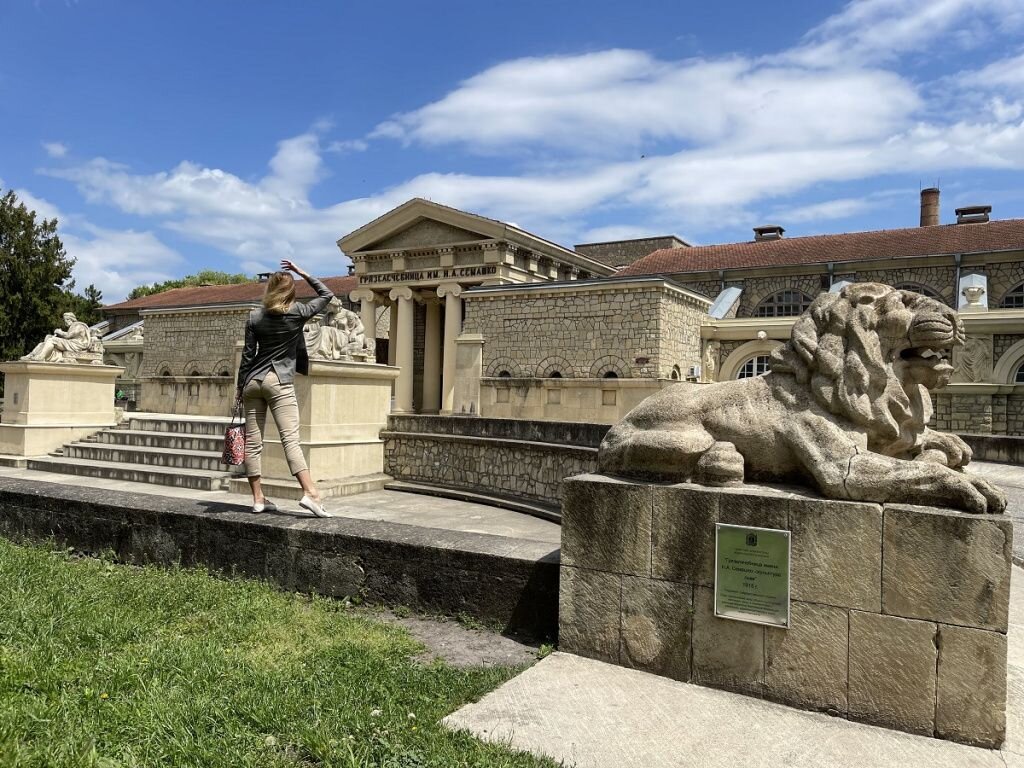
<point>179,426</point>
<point>170,441</point>
<point>195,479</point>
<point>152,457</point>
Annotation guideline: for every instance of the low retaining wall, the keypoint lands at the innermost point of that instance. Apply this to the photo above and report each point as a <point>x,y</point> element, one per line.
<point>492,578</point>
<point>898,614</point>
<point>1007,449</point>
<point>187,395</point>
<point>516,458</point>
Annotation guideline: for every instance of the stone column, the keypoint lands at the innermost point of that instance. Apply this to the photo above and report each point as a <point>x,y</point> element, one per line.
<point>403,338</point>
<point>450,292</point>
<point>367,310</point>
<point>432,356</point>
<point>392,333</point>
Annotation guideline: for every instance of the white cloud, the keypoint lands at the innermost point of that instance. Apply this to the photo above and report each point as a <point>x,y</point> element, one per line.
<point>55,148</point>
<point>115,261</point>
<point>682,146</point>
<point>882,30</point>
<point>618,98</point>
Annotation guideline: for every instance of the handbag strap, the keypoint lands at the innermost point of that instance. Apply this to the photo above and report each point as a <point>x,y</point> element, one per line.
<point>236,410</point>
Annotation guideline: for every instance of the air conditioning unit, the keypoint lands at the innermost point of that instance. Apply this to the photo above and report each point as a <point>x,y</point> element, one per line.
<point>693,372</point>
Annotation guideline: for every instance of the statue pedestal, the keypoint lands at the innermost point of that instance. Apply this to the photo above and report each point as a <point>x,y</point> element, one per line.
<point>343,406</point>
<point>49,404</point>
<point>914,641</point>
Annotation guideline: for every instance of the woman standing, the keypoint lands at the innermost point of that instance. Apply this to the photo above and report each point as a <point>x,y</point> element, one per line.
<point>274,351</point>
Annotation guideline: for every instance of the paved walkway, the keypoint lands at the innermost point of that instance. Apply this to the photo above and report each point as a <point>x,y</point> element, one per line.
<point>1010,478</point>
<point>382,506</point>
<point>594,715</point>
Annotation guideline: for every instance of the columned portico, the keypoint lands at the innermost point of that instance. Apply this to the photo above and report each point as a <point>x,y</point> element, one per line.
<point>432,354</point>
<point>425,253</point>
<point>451,293</point>
<point>404,348</point>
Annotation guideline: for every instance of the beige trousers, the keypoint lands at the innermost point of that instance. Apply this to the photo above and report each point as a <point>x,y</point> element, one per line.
<point>280,398</point>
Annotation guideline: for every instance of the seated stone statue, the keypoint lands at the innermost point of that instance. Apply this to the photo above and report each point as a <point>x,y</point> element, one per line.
<point>76,344</point>
<point>338,337</point>
<point>844,409</point>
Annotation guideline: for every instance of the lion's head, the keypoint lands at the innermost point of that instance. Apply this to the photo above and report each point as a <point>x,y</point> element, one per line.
<point>870,353</point>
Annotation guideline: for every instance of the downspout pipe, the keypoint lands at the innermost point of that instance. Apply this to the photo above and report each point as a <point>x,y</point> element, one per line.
<point>957,257</point>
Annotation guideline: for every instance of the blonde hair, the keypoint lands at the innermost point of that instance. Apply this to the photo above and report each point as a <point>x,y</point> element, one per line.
<point>280,293</point>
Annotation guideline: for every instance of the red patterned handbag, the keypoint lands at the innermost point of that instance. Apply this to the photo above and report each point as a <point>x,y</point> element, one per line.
<point>234,438</point>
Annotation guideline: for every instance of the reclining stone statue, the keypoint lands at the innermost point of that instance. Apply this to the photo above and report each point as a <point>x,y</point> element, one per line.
<point>75,345</point>
<point>844,409</point>
<point>338,336</point>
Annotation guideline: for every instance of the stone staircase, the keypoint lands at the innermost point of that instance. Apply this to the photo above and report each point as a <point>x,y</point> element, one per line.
<point>149,448</point>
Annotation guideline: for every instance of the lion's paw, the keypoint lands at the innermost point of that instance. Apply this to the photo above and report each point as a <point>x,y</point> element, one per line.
<point>721,464</point>
<point>942,448</point>
<point>995,499</point>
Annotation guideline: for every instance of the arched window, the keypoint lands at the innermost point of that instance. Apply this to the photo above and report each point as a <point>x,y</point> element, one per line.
<point>610,375</point>
<point>554,375</point>
<point>504,375</point>
<point>165,372</point>
<point>676,373</point>
<point>1018,377</point>
<point>1014,299</point>
<point>755,366</point>
<point>783,304</point>
<point>924,290</point>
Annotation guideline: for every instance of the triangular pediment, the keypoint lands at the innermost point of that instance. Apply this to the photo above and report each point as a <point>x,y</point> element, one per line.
<point>425,233</point>
<point>423,223</point>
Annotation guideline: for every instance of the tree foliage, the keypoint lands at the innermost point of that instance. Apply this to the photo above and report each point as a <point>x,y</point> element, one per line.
<point>205,277</point>
<point>35,278</point>
<point>86,307</point>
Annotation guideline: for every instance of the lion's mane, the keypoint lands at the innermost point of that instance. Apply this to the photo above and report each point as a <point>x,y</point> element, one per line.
<point>836,352</point>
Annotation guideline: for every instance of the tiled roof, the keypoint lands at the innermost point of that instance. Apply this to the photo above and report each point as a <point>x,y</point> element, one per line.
<point>239,293</point>
<point>1003,235</point>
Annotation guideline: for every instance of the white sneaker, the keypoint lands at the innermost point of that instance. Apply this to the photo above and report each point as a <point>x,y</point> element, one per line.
<point>316,508</point>
<point>264,506</point>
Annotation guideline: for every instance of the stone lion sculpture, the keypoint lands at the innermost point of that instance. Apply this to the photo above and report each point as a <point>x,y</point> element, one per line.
<point>845,409</point>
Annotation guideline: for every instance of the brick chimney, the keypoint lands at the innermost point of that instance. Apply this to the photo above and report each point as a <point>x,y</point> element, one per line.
<point>930,207</point>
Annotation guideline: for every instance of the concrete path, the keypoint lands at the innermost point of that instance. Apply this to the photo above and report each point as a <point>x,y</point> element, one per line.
<point>594,715</point>
<point>1010,478</point>
<point>382,506</point>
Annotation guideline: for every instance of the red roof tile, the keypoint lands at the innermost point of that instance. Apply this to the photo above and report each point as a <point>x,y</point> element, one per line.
<point>1006,235</point>
<point>239,293</point>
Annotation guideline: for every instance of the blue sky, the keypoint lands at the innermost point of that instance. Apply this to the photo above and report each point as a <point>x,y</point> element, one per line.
<point>171,137</point>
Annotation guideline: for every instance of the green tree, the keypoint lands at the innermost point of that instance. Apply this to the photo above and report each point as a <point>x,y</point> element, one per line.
<point>86,307</point>
<point>35,277</point>
<point>205,277</point>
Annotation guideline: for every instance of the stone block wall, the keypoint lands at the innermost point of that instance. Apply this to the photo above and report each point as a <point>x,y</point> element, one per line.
<point>588,331</point>
<point>898,614</point>
<point>182,341</point>
<point>515,458</point>
<point>1002,277</point>
<point>598,401</point>
<point>679,331</point>
<point>940,279</point>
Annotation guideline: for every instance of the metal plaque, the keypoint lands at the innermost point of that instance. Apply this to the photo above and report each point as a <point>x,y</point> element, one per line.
<point>752,574</point>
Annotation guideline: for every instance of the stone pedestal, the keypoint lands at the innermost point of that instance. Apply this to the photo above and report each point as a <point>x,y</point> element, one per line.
<point>469,348</point>
<point>898,613</point>
<point>342,408</point>
<point>49,404</point>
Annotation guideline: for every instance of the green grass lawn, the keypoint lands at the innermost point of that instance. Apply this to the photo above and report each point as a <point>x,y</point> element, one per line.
<point>109,665</point>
